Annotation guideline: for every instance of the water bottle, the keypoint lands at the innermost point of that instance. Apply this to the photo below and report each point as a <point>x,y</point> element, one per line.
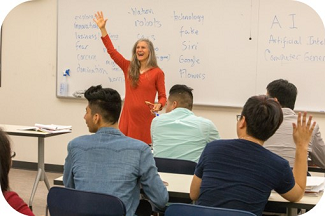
<point>64,87</point>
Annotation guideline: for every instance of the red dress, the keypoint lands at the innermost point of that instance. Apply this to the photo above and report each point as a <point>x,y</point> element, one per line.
<point>136,117</point>
<point>17,203</point>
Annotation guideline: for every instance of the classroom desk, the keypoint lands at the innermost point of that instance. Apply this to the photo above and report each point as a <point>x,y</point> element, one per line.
<point>41,176</point>
<point>307,202</point>
<point>179,186</point>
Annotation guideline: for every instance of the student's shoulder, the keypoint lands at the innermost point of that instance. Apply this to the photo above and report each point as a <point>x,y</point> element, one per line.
<point>221,143</point>
<point>163,117</point>
<point>78,140</point>
<point>204,120</point>
<point>276,159</point>
<point>132,143</point>
<point>83,137</point>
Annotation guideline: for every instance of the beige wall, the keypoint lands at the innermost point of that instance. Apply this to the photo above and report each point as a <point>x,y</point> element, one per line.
<point>28,85</point>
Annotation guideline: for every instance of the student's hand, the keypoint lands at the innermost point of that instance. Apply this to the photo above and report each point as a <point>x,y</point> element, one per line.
<point>100,21</point>
<point>302,130</point>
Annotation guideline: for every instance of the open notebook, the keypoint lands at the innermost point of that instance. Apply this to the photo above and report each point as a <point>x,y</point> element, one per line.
<point>52,128</point>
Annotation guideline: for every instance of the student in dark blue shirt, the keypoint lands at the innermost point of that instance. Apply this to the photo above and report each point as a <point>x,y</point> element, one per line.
<point>240,173</point>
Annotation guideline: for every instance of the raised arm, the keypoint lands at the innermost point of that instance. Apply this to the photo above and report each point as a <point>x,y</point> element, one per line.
<point>115,55</point>
<point>302,132</point>
<point>101,22</point>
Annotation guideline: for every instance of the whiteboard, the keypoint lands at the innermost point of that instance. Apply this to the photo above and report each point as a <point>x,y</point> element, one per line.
<point>226,50</point>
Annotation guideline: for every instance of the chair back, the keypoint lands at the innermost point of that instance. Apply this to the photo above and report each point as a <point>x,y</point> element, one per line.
<point>70,202</point>
<point>194,210</point>
<point>175,166</point>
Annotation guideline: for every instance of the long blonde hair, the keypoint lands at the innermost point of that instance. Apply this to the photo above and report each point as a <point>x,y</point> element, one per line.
<point>134,69</point>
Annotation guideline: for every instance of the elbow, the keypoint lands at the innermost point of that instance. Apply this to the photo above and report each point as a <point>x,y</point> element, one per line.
<point>193,196</point>
<point>163,202</point>
<point>166,199</point>
<point>296,198</point>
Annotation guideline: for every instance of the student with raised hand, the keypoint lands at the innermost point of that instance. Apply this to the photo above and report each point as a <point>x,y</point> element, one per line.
<point>180,134</point>
<point>281,143</point>
<point>11,197</point>
<point>108,161</point>
<point>241,173</point>
<point>143,79</point>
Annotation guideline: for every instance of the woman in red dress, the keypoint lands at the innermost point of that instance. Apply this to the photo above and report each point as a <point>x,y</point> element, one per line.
<point>143,79</point>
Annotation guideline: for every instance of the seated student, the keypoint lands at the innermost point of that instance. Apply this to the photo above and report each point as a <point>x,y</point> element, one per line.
<point>241,173</point>
<point>5,160</point>
<point>281,143</point>
<point>179,134</point>
<point>108,161</point>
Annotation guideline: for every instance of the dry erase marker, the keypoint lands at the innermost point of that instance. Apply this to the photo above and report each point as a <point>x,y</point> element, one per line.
<point>149,103</point>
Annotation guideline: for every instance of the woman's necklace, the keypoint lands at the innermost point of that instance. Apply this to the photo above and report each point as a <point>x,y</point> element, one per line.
<point>144,70</point>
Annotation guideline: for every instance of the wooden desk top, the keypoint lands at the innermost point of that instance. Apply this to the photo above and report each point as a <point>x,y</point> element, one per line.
<point>308,201</point>
<point>15,130</point>
<point>179,186</point>
<point>178,183</point>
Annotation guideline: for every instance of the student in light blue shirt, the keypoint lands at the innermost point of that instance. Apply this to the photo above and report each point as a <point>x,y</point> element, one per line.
<point>179,134</point>
<point>108,161</point>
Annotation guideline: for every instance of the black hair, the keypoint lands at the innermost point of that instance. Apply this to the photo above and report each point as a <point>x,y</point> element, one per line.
<point>263,116</point>
<point>284,91</point>
<point>105,101</point>
<point>183,95</point>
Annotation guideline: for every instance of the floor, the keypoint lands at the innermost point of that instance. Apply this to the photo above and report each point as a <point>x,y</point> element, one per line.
<point>21,181</point>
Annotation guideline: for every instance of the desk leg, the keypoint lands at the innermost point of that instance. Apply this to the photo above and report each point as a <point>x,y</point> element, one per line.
<point>292,211</point>
<point>41,162</point>
<point>41,171</point>
<point>38,177</point>
<point>46,181</point>
<point>41,157</point>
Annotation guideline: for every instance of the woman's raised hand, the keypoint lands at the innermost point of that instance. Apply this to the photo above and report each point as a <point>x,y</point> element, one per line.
<point>100,21</point>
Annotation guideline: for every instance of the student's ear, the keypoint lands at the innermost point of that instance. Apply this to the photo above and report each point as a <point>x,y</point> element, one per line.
<point>175,104</point>
<point>276,99</point>
<point>242,122</point>
<point>96,118</point>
